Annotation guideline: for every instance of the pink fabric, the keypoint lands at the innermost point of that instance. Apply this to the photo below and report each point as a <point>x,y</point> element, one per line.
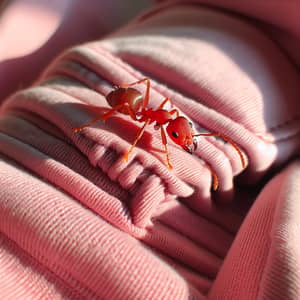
<point>280,19</point>
<point>77,222</point>
<point>33,32</point>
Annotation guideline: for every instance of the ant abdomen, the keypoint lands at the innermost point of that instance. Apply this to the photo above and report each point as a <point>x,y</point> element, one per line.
<point>120,95</point>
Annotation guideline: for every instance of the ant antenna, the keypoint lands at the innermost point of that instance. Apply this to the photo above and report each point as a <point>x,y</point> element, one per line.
<point>226,139</point>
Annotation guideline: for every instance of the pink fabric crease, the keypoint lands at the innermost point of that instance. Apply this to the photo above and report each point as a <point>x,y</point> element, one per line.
<point>77,222</point>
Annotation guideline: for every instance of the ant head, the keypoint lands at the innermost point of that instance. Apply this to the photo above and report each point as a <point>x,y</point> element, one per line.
<point>181,133</point>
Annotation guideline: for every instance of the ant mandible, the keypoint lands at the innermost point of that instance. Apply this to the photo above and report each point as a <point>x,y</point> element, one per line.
<point>129,101</point>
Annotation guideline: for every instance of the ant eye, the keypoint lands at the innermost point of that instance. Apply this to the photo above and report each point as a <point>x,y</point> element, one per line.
<point>175,134</point>
<point>191,124</point>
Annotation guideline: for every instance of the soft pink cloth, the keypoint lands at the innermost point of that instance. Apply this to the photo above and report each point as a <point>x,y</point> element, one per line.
<point>33,32</point>
<point>77,222</point>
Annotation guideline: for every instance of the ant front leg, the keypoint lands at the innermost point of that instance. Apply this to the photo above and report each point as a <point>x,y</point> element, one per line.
<point>161,106</point>
<point>171,112</point>
<point>165,143</point>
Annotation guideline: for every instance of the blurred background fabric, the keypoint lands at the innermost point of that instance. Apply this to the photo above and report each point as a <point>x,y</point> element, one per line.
<point>33,32</point>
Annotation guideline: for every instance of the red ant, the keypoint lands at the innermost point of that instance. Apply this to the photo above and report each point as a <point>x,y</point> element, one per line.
<point>130,101</point>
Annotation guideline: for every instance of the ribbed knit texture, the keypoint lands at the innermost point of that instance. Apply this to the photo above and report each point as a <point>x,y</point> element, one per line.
<point>77,222</point>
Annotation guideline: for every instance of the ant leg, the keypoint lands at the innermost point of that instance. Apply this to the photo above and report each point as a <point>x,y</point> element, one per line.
<point>165,143</point>
<point>173,111</point>
<point>163,103</point>
<point>112,111</point>
<point>77,129</point>
<point>138,137</point>
<point>147,94</point>
<point>137,82</point>
<point>102,118</point>
<point>214,176</point>
<point>225,138</point>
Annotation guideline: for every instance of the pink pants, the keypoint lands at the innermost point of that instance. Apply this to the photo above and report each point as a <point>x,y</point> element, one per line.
<point>77,222</point>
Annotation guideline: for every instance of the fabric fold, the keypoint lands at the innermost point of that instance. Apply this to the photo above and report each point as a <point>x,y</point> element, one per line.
<point>110,229</point>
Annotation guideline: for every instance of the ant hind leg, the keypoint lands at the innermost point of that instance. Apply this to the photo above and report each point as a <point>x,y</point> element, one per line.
<point>102,118</point>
